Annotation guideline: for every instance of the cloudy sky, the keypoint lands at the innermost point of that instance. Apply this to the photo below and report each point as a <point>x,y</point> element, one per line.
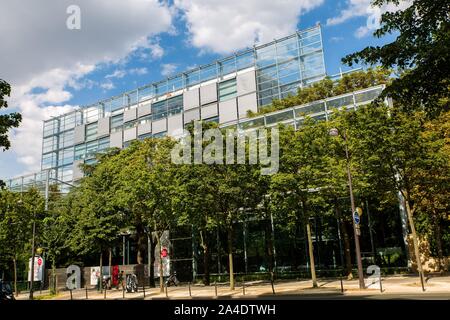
<point>125,44</point>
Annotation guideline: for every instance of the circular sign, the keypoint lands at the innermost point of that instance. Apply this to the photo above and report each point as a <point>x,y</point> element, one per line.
<point>39,261</point>
<point>164,252</point>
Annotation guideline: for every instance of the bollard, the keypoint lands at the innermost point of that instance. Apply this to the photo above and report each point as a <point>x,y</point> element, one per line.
<point>190,294</point>
<point>215,287</point>
<point>104,293</point>
<point>167,292</point>
<point>271,282</point>
<point>123,293</point>
<point>342,285</point>
<point>71,297</point>
<point>86,293</point>
<point>143,289</point>
<point>243,287</point>
<point>381,285</point>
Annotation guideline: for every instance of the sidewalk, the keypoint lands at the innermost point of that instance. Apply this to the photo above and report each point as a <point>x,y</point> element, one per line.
<point>390,285</point>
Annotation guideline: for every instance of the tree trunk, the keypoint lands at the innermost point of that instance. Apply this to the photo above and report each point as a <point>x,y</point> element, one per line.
<point>109,264</point>
<point>53,290</point>
<point>161,271</point>
<point>414,236</point>
<point>206,258</point>
<point>230,256</point>
<point>152,264</point>
<point>438,239</point>
<point>347,251</point>
<point>269,245</point>
<point>100,283</point>
<point>141,244</point>
<point>15,276</point>
<point>311,255</point>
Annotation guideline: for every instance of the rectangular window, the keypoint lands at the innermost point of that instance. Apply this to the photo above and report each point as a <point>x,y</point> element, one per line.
<point>227,66</point>
<point>91,131</point>
<point>175,105</point>
<point>80,152</point>
<point>266,56</point>
<point>103,144</point>
<point>116,122</point>
<point>160,134</point>
<point>192,77</point>
<point>159,110</point>
<point>208,72</point>
<point>130,124</point>
<point>245,60</point>
<point>145,119</point>
<point>146,93</point>
<point>50,144</point>
<point>145,136</point>
<point>91,149</point>
<point>227,90</point>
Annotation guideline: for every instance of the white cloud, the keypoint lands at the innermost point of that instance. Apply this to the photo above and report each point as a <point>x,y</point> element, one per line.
<point>156,50</point>
<point>116,74</point>
<point>168,69</point>
<point>362,32</point>
<point>108,85</point>
<point>355,8</point>
<point>138,71</point>
<point>364,8</point>
<point>38,51</point>
<point>336,39</point>
<point>225,26</point>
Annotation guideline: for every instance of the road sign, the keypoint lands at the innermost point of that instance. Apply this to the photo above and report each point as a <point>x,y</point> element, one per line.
<point>356,217</point>
<point>359,210</point>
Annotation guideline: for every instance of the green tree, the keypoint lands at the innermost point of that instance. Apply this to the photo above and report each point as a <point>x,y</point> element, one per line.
<point>295,189</point>
<point>389,147</point>
<point>420,50</point>
<point>99,220</point>
<point>7,121</point>
<point>57,225</point>
<point>17,211</point>
<point>431,194</point>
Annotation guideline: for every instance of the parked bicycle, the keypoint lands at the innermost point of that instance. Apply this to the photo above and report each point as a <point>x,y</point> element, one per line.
<point>172,280</point>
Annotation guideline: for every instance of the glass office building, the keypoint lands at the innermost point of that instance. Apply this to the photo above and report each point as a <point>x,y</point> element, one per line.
<point>222,91</point>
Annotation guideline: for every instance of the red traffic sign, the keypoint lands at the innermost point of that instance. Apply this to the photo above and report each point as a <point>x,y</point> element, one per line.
<point>164,252</point>
<point>39,261</point>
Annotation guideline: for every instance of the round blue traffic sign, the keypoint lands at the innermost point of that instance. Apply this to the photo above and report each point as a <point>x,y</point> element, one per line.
<point>356,217</point>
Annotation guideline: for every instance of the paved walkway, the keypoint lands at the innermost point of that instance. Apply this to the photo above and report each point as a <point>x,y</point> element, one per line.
<point>392,286</point>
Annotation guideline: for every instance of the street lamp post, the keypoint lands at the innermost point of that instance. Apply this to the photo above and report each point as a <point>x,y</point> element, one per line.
<point>356,231</point>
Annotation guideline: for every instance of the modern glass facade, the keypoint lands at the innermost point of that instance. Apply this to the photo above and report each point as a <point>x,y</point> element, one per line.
<point>222,91</point>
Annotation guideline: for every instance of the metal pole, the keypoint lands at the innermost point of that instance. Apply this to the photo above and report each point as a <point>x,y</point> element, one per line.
<point>128,251</point>
<point>245,247</point>
<point>32,257</point>
<point>149,253</point>
<point>355,228</point>
<point>123,252</point>
<point>273,242</point>
<point>370,231</point>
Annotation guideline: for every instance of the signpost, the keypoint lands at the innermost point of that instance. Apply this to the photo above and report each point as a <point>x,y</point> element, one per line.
<point>38,265</point>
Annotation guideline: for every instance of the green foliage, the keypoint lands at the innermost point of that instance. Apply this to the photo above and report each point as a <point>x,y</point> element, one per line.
<point>420,51</point>
<point>327,88</point>
<point>7,121</point>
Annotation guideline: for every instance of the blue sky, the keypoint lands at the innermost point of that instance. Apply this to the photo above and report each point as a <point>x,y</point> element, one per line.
<point>124,45</point>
